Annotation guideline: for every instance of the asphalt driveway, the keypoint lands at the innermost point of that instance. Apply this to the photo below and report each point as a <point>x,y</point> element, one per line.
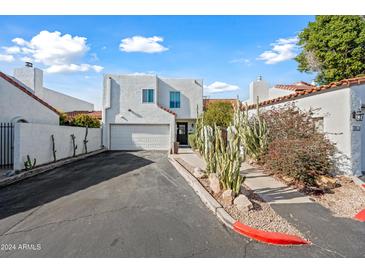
<point>120,204</point>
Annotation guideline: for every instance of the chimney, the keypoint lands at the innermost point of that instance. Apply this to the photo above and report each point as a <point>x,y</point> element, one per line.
<point>259,88</point>
<point>31,77</point>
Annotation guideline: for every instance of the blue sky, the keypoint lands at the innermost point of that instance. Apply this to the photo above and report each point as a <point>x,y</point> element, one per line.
<point>227,52</point>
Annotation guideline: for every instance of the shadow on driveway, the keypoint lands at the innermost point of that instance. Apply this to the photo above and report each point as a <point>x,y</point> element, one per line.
<point>63,181</point>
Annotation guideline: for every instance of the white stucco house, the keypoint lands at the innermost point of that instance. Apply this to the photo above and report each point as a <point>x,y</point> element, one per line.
<point>32,78</point>
<point>338,108</point>
<point>146,112</point>
<point>19,104</point>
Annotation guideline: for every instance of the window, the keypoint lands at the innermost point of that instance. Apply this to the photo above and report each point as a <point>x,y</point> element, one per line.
<point>147,95</point>
<point>174,99</point>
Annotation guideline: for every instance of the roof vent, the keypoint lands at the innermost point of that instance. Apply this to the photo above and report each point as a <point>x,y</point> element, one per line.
<point>29,64</point>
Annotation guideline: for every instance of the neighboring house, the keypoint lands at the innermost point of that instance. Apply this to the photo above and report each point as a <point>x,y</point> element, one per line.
<point>95,114</point>
<point>20,104</point>
<point>33,79</point>
<point>260,88</point>
<point>146,112</point>
<point>207,101</point>
<point>338,109</point>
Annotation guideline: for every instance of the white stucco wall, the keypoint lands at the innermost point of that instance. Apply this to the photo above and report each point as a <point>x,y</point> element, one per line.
<point>191,96</point>
<point>14,103</point>
<point>358,130</point>
<point>123,93</point>
<point>65,103</point>
<point>31,77</point>
<point>335,108</point>
<point>35,140</point>
<point>258,88</point>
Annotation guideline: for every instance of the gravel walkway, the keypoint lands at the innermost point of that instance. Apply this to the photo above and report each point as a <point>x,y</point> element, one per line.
<point>262,216</point>
<point>344,201</point>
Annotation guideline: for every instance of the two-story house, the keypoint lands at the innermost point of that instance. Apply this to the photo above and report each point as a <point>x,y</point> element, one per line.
<point>146,112</point>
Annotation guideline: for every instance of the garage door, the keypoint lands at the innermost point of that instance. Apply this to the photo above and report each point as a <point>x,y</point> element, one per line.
<point>140,137</point>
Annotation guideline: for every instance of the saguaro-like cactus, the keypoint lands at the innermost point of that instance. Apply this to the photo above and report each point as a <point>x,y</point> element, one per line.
<point>74,146</point>
<point>53,148</point>
<point>28,163</point>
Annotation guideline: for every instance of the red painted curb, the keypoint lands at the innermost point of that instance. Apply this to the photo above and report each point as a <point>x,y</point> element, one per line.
<point>275,238</point>
<point>360,216</point>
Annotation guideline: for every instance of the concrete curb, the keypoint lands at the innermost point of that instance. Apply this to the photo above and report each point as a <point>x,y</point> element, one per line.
<point>38,170</point>
<point>274,238</point>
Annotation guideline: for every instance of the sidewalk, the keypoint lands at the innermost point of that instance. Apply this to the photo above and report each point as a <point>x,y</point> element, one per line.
<point>189,156</point>
<point>342,236</point>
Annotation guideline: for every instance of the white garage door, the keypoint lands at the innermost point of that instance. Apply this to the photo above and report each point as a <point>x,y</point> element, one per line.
<point>140,137</point>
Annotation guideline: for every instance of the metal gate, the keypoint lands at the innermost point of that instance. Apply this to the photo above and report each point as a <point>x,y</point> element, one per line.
<point>6,145</point>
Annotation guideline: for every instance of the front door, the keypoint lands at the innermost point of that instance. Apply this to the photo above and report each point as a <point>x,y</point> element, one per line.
<point>182,133</point>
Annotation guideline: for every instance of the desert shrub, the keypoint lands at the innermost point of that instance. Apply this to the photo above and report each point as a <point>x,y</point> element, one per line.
<point>83,120</point>
<point>302,159</point>
<point>288,122</point>
<point>192,140</point>
<point>295,148</point>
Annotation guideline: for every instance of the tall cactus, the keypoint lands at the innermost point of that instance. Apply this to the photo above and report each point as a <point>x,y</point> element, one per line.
<point>254,134</point>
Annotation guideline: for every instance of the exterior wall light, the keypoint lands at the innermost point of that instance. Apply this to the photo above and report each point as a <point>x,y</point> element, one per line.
<point>358,115</point>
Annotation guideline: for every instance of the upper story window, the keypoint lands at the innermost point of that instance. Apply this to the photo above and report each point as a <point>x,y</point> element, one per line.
<point>174,99</point>
<point>147,95</point>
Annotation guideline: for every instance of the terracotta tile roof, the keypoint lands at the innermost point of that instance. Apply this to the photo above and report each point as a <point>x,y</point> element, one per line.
<point>300,94</point>
<point>167,110</point>
<point>26,91</point>
<point>95,113</point>
<point>299,86</point>
<point>206,102</point>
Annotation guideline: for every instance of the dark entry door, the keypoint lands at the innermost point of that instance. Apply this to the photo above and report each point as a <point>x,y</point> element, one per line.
<point>182,133</point>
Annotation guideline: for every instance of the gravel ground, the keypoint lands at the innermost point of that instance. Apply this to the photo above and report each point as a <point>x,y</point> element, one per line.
<point>344,201</point>
<point>262,216</point>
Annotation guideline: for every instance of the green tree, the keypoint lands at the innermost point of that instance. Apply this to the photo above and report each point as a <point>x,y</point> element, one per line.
<point>219,113</point>
<point>333,46</point>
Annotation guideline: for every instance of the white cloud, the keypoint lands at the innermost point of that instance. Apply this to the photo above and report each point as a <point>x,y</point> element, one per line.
<point>12,50</point>
<point>282,50</point>
<point>142,44</point>
<point>73,68</point>
<point>20,42</point>
<point>216,87</point>
<point>57,52</point>
<point>6,58</point>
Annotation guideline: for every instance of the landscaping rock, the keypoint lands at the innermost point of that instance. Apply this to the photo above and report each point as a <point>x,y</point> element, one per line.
<point>214,183</point>
<point>326,181</point>
<point>199,173</point>
<point>243,203</point>
<point>227,197</point>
